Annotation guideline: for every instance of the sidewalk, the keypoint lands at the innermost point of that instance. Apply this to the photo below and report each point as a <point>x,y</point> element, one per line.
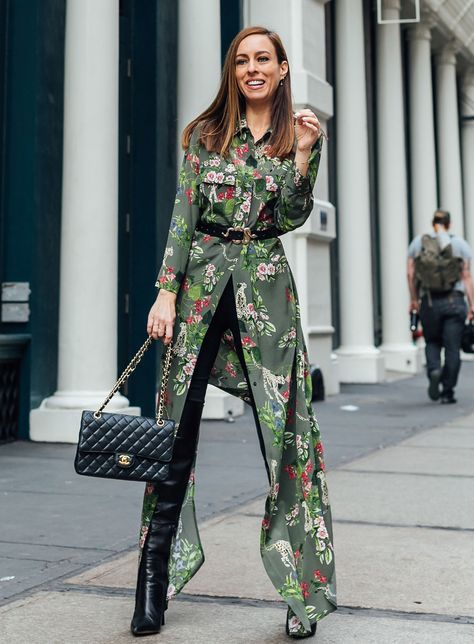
<point>401,486</point>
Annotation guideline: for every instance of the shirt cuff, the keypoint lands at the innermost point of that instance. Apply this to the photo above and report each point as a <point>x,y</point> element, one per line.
<point>303,182</point>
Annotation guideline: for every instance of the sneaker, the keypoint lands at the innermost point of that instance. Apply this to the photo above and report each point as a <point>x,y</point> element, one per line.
<point>448,399</point>
<point>433,389</point>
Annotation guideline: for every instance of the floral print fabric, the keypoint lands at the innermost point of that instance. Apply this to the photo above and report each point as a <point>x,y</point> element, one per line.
<point>250,188</point>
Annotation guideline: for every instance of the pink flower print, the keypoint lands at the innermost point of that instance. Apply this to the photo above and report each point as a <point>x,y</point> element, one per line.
<point>304,589</point>
<point>220,177</point>
<point>245,207</point>
<point>319,577</point>
<point>294,624</point>
<point>291,471</point>
<point>211,176</point>
<point>189,195</point>
<point>230,369</point>
<point>319,448</point>
<point>262,271</point>
<point>297,554</point>
<point>214,163</point>
<point>210,270</point>
<point>309,467</point>
<point>270,269</point>
<point>256,174</point>
<point>322,533</point>
<point>265,524</point>
<point>188,369</point>
<point>206,238</point>
<point>193,159</point>
<point>248,342</point>
<point>241,150</point>
<point>229,193</point>
<point>270,184</point>
<point>305,484</point>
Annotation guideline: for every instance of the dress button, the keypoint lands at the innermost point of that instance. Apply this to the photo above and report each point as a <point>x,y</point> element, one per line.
<point>254,384</point>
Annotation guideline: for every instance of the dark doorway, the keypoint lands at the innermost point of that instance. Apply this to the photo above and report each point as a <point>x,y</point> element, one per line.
<point>147,144</point>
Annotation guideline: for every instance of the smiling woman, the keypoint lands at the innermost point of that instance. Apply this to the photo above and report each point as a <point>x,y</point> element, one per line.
<point>228,300</point>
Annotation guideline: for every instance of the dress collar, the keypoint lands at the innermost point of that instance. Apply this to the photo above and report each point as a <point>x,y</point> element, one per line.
<point>242,126</point>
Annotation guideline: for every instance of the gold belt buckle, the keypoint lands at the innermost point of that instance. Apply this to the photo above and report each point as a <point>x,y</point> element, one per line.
<point>247,235</point>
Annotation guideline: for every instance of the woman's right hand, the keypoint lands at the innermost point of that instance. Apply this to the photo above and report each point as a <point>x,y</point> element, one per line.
<point>162,316</point>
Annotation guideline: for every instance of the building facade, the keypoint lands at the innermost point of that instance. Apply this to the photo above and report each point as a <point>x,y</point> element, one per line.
<point>94,94</point>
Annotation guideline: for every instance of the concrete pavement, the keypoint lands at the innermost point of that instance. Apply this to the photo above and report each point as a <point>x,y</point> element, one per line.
<point>401,485</point>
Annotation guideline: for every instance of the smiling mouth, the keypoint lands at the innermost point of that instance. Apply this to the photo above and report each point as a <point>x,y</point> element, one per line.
<point>255,84</point>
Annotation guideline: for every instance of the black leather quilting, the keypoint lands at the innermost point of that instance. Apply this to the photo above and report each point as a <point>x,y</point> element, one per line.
<point>101,439</point>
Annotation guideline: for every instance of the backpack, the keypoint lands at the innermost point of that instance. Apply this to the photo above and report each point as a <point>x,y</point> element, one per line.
<point>436,269</point>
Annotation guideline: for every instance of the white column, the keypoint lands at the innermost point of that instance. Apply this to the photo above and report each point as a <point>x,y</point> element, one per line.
<point>424,199</point>
<point>87,366</point>
<point>359,360</point>
<point>467,138</point>
<point>447,131</point>
<point>398,349</point>
<point>199,48</point>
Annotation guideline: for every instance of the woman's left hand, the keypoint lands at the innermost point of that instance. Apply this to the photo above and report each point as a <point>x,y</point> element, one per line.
<point>307,129</point>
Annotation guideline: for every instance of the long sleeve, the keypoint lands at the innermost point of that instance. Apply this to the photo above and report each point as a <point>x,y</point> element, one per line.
<point>185,216</point>
<point>296,198</point>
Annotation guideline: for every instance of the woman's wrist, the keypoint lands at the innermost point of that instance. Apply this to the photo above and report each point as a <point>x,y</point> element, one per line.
<point>164,294</point>
<point>302,160</point>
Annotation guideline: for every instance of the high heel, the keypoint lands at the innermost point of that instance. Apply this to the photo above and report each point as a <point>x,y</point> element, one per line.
<point>152,583</point>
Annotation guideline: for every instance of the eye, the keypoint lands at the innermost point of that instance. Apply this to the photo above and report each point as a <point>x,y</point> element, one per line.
<point>263,59</point>
<point>240,61</point>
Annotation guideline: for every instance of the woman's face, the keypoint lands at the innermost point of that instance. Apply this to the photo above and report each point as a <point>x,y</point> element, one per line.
<point>257,69</point>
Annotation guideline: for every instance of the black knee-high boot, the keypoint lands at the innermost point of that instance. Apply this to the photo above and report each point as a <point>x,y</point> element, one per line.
<point>152,583</point>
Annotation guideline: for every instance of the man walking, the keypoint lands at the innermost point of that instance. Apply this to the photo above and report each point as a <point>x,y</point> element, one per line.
<point>439,279</point>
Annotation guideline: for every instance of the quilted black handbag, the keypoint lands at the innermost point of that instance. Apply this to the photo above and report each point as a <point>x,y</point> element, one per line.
<point>120,446</point>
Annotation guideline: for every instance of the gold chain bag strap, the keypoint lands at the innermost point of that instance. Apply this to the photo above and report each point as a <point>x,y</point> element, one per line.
<point>126,447</point>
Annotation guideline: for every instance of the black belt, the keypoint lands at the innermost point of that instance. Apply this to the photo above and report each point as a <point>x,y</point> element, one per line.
<point>237,234</point>
<point>441,294</point>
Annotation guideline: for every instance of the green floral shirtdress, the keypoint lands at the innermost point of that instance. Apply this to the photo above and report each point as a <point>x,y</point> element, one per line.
<point>250,188</point>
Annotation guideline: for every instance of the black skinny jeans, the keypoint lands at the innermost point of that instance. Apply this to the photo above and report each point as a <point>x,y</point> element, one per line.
<point>224,319</point>
<point>443,325</point>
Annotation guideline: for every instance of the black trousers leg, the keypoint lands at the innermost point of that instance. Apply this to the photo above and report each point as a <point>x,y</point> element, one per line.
<point>225,318</point>
<point>454,315</point>
<point>432,332</point>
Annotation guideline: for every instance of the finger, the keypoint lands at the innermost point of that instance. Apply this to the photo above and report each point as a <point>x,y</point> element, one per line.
<point>149,324</point>
<point>312,127</point>
<point>304,112</point>
<point>169,333</point>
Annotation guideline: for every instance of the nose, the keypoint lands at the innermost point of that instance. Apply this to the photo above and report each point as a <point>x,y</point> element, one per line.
<point>251,67</point>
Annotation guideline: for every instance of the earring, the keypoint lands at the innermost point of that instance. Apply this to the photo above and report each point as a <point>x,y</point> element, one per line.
<point>282,80</point>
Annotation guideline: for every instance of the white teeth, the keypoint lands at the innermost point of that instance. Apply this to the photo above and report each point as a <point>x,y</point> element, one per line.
<point>255,83</point>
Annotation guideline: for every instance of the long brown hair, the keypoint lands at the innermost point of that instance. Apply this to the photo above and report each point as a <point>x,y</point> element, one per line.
<point>223,115</point>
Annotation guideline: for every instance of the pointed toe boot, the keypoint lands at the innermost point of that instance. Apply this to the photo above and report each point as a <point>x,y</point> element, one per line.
<point>152,582</point>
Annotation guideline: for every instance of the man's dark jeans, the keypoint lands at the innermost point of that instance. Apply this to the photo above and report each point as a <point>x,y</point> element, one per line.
<point>443,324</point>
